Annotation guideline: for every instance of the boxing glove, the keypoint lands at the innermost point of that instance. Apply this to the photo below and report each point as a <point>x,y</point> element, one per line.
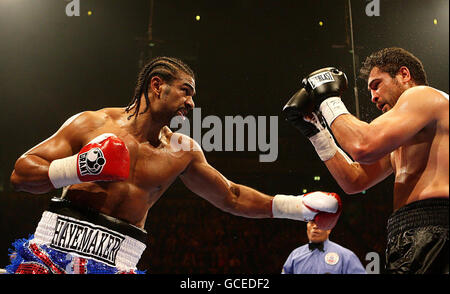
<point>324,83</point>
<point>321,207</point>
<point>105,158</point>
<point>293,114</point>
<point>325,87</point>
<point>311,125</point>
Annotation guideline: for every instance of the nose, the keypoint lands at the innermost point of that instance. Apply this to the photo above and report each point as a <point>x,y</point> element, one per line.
<point>375,96</point>
<point>189,104</point>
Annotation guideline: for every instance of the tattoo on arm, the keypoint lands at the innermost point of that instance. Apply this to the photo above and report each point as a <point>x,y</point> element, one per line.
<point>235,190</point>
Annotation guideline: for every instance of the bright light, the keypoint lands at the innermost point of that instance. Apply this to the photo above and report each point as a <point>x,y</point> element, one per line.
<point>89,12</point>
<point>317,178</point>
<point>197,17</point>
<point>435,21</point>
<point>304,191</point>
<point>321,23</point>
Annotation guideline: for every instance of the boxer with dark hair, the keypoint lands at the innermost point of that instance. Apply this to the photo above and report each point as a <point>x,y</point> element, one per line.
<point>115,166</point>
<point>409,140</point>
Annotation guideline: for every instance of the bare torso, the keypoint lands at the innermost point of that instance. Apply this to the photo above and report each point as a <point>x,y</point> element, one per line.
<point>421,165</point>
<point>152,171</point>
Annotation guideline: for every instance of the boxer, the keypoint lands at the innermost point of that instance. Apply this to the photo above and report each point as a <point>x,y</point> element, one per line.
<point>115,163</point>
<point>409,140</point>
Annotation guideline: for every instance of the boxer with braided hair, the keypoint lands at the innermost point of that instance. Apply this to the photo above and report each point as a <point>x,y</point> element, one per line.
<point>114,169</point>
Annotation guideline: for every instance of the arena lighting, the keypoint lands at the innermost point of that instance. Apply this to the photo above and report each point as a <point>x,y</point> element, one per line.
<point>316,178</point>
<point>321,23</point>
<point>305,191</point>
<point>197,17</point>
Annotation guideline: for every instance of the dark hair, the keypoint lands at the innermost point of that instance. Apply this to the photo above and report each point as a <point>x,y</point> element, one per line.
<point>167,68</point>
<point>390,60</point>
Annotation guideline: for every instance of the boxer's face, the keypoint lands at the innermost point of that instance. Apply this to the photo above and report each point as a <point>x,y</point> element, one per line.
<point>315,235</point>
<point>175,98</point>
<point>384,89</point>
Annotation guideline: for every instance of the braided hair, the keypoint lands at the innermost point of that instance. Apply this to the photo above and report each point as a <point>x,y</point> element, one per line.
<point>164,67</point>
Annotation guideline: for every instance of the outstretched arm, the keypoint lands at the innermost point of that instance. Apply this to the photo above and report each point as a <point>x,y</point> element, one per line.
<point>207,182</point>
<point>204,180</point>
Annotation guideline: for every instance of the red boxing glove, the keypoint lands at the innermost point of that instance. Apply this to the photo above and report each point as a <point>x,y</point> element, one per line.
<point>325,219</point>
<point>322,207</point>
<point>105,158</point>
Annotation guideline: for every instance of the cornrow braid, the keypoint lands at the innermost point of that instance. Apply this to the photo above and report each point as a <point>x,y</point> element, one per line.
<point>164,67</point>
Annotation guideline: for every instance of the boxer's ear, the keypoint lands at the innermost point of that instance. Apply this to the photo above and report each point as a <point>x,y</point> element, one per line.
<point>156,85</point>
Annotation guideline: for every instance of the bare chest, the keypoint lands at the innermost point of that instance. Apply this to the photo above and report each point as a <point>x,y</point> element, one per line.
<point>153,168</point>
<point>412,158</point>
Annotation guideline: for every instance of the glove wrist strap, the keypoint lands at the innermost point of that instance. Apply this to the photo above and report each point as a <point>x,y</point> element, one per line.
<point>63,172</point>
<point>291,207</point>
<point>331,108</point>
<point>324,144</point>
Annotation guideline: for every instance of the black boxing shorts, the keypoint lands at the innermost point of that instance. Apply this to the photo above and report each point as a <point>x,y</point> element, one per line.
<point>418,238</point>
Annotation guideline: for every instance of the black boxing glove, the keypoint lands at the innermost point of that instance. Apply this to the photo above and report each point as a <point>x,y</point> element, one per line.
<point>325,87</point>
<point>311,125</point>
<point>293,113</point>
<point>324,83</point>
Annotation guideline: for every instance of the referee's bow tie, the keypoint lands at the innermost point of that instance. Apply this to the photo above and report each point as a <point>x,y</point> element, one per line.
<point>313,246</point>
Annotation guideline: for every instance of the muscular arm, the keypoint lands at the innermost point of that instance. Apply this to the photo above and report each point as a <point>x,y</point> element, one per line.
<point>354,177</point>
<point>202,179</point>
<point>30,172</point>
<point>367,143</point>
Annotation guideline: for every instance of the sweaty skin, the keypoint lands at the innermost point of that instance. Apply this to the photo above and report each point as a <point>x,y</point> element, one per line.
<point>156,160</point>
<point>410,139</point>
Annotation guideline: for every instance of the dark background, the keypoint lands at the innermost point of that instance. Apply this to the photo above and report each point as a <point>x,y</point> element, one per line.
<point>249,57</point>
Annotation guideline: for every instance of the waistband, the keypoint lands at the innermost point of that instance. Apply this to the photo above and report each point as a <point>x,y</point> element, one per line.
<point>418,214</point>
<point>67,208</point>
<point>68,231</point>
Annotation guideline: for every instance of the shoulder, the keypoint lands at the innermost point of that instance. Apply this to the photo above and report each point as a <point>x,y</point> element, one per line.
<point>87,119</point>
<point>179,142</point>
<point>423,104</point>
<point>341,249</point>
<point>298,251</point>
<point>79,126</point>
<point>424,95</point>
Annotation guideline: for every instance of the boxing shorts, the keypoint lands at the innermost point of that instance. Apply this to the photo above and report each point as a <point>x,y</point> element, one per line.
<point>418,238</point>
<point>76,240</point>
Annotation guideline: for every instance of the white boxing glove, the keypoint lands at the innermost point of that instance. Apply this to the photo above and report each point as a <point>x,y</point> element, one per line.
<point>321,207</point>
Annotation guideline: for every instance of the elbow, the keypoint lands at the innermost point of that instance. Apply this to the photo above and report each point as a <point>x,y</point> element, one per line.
<point>20,185</point>
<point>352,184</point>
<point>22,181</point>
<point>362,153</point>
<point>352,190</point>
<point>15,181</point>
<point>367,148</point>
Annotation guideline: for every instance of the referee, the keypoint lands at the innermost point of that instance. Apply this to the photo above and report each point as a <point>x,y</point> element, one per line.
<point>321,256</point>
